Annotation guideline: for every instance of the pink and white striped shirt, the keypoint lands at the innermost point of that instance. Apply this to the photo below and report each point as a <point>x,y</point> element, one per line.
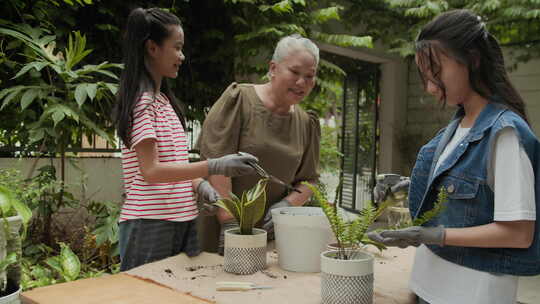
<point>154,117</point>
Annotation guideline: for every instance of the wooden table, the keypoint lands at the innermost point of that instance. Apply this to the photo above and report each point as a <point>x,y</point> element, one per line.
<point>168,281</point>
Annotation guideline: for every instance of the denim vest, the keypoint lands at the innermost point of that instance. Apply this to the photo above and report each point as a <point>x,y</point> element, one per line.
<point>470,199</point>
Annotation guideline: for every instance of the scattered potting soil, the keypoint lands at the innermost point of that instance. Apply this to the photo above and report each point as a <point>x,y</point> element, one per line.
<point>169,273</point>
<point>269,274</point>
<point>197,276</point>
<point>199,267</point>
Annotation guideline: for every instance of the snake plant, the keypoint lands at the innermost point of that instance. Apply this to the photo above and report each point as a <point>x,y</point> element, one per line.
<point>248,209</point>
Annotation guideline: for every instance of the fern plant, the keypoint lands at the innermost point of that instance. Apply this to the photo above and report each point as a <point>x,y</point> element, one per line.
<point>350,235</point>
<point>248,209</point>
<point>438,207</point>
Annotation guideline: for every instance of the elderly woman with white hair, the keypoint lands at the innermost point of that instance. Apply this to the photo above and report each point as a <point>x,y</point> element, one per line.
<point>265,120</point>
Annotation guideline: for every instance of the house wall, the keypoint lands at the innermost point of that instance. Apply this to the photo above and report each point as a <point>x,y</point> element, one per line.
<point>425,117</point>
<point>97,179</point>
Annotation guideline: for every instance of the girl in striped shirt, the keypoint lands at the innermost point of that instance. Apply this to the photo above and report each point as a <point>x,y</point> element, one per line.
<point>157,218</point>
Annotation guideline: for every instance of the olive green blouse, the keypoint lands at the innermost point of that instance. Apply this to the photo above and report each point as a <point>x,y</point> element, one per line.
<point>287,145</point>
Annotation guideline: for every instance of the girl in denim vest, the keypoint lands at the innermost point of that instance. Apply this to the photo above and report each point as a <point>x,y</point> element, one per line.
<point>487,160</point>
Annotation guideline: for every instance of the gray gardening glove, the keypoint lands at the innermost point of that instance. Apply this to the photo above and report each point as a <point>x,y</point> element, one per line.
<point>410,236</point>
<point>232,165</point>
<point>403,185</point>
<point>230,224</point>
<point>268,223</point>
<point>206,197</point>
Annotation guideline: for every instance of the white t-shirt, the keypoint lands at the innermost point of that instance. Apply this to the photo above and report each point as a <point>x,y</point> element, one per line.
<point>511,177</point>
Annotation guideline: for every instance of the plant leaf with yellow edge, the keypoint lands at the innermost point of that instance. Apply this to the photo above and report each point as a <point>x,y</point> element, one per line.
<point>254,208</point>
<point>230,206</point>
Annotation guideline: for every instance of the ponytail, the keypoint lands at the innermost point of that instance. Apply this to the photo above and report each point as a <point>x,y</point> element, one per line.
<point>142,25</point>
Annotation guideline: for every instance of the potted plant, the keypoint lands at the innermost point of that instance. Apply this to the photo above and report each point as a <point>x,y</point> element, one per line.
<point>13,214</point>
<point>347,270</point>
<point>245,247</point>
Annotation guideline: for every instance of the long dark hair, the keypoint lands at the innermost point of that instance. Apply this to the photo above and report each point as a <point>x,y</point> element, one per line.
<point>142,25</point>
<point>461,35</point>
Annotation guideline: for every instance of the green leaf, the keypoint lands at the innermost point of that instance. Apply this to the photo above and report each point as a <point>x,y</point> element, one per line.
<point>323,63</point>
<point>101,69</point>
<point>10,259</point>
<point>80,94</point>
<point>6,197</point>
<point>108,73</point>
<point>4,92</point>
<point>24,211</point>
<point>65,109</point>
<point>71,264</point>
<point>344,40</point>
<point>11,93</point>
<point>10,97</point>
<point>91,89</point>
<point>36,135</point>
<point>230,206</point>
<point>281,7</point>
<point>113,88</point>
<point>254,207</point>
<point>300,2</point>
<point>75,52</point>
<point>38,65</point>
<point>28,97</point>
<point>91,125</point>
<point>55,263</point>
<point>57,116</point>
<point>262,32</point>
<point>326,14</point>
<point>27,40</point>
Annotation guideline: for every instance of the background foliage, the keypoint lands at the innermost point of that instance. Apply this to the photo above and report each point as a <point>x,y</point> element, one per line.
<point>516,23</point>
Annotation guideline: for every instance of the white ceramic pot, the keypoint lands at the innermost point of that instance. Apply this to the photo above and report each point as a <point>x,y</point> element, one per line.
<point>10,243</point>
<point>302,233</point>
<point>346,281</point>
<point>12,298</point>
<point>244,254</point>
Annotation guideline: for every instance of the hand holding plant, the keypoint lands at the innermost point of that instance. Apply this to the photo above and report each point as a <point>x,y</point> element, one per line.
<point>413,234</point>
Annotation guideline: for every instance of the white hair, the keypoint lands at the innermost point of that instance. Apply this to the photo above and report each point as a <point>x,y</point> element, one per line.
<point>292,43</point>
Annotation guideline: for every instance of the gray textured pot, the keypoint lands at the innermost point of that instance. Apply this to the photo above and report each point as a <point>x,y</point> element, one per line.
<point>244,254</point>
<point>346,281</point>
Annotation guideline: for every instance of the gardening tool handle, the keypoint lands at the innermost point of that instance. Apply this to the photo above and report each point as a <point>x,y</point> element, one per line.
<point>238,286</point>
<point>233,288</point>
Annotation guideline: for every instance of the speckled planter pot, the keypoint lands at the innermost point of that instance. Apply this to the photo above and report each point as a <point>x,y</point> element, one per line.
<point>346,281</point>
<point>244,254</point>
